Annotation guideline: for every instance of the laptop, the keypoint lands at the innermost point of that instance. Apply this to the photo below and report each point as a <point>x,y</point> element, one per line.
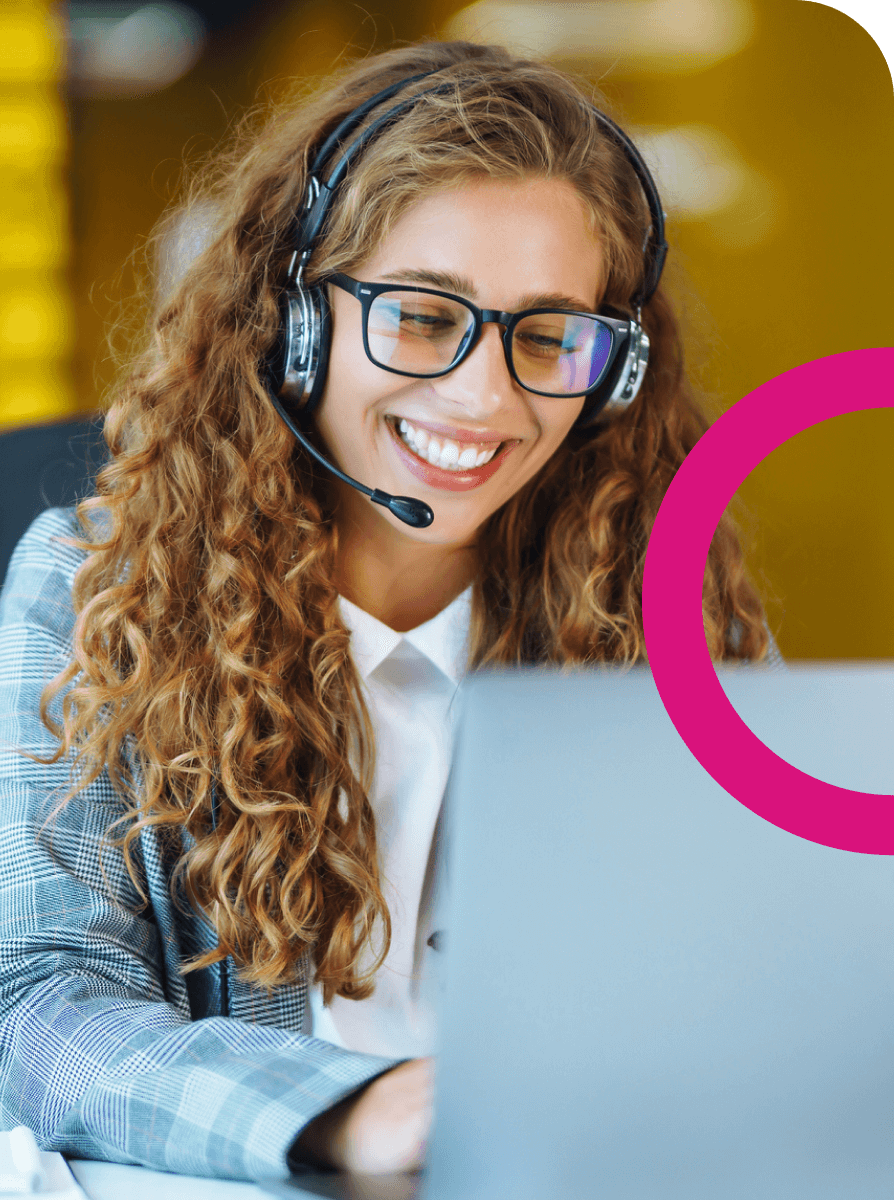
<point>650,992</point>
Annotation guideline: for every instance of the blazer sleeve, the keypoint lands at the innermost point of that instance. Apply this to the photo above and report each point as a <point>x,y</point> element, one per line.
<point>94,1056</point>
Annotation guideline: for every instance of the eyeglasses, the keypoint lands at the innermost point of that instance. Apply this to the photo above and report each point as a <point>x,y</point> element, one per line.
<point>424,333</point>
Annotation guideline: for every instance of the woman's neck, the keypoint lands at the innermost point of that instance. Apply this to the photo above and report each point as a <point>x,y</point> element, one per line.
<point>401,582</point>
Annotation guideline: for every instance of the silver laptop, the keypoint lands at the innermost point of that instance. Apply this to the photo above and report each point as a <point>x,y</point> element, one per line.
<point>651,993</point>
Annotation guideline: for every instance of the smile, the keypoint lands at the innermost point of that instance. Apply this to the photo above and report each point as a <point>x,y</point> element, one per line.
<point>443,462</point>
<point>441,451</point>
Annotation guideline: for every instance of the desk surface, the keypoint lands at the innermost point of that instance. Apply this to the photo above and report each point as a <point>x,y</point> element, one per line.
<point>111,1181</point>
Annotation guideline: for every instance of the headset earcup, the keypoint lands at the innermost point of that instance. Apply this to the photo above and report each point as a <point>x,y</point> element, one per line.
<point>621,386</point>
<point>301,356</point>
<point>282,348</point>
<point>320,348</point>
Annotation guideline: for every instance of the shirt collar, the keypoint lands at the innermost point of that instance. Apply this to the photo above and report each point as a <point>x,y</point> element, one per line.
<point>443,640</point>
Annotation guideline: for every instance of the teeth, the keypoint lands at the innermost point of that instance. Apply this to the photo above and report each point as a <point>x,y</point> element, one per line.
<point>443,452</point>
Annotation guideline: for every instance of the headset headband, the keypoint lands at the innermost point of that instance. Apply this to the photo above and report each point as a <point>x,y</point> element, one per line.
<point>321,194</point>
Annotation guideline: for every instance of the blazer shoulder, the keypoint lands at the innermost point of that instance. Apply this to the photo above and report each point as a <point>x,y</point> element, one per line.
<point>44,544</point>
<point>37,591</point>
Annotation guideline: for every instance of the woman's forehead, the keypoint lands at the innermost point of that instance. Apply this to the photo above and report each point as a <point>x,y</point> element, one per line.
<point>523,236</point>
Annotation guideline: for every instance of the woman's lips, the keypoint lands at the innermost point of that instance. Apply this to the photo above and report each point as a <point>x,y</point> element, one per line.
<point>450,481</point>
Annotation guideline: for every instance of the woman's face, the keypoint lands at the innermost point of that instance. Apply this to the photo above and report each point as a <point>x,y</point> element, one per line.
<point>505,245</point>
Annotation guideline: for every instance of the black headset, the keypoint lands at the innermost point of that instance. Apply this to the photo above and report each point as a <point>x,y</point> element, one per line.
<point>298,364</point>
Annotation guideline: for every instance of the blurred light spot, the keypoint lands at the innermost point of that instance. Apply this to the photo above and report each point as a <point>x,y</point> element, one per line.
<point>34,395</point>
<point>27,53</point>
<point>35,309</point>
<point>34,196</point>
<point>32,129</point>
<point>673,36</point>
<point>33,322</point>
<point>133,50</point>
<point>697,168</point>
<point>30,246</point>
<point>702,176</point>
<point>188,237</point>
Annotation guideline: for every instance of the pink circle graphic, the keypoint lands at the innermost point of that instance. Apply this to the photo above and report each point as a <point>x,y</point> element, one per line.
<point>672,602</point>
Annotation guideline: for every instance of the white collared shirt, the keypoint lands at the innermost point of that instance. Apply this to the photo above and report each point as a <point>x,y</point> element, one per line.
<point>411,680</point>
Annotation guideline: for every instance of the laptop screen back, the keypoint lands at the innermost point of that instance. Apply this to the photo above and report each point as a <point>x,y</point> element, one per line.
<point>650,991</point>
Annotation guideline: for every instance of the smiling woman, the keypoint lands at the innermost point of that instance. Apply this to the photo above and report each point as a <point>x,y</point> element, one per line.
<point>495,238</point>
<point>438,276</point>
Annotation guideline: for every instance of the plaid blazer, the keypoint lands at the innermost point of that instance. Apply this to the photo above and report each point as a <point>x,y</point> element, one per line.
<point>106,1050</point>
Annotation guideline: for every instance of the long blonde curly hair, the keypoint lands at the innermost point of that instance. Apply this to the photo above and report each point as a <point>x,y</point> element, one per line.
<point>208,649</point>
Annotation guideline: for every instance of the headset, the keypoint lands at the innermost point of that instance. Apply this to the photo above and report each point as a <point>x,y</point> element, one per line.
<point>296,371</point>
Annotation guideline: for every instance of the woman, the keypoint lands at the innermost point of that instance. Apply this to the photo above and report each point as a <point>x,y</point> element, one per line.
<point>219,930</point>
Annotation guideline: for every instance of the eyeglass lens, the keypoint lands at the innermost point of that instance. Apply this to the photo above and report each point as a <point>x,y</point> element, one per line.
<point>554,352</point>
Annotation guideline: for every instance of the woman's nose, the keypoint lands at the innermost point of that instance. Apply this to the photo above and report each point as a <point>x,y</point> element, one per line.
<point>481,383</point>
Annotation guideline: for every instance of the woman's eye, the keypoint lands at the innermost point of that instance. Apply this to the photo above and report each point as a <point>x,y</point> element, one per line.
<point>544,343</point>
<point>427,321</point>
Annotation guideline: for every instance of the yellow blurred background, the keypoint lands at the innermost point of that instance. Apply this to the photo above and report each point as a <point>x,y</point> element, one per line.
<point>769,126</point>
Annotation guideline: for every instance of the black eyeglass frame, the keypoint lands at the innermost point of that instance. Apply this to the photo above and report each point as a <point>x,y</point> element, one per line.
<point>366,293</point>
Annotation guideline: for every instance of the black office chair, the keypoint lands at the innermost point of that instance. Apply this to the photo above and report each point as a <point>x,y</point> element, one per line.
<point>42,466</point>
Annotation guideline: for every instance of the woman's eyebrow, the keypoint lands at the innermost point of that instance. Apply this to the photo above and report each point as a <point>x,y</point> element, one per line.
<point>446,281</point>
<point>554,300</point>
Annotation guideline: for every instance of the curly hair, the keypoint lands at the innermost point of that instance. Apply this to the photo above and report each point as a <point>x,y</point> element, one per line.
<point>209,655</point>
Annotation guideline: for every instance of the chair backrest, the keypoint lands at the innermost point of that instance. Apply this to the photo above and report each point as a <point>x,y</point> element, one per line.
<point>42,466</point>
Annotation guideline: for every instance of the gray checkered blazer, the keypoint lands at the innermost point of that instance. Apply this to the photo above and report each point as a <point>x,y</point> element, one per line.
<point>106,1050</point>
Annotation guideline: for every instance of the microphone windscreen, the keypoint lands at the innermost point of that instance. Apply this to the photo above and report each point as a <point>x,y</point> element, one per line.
<point>411,512</point>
